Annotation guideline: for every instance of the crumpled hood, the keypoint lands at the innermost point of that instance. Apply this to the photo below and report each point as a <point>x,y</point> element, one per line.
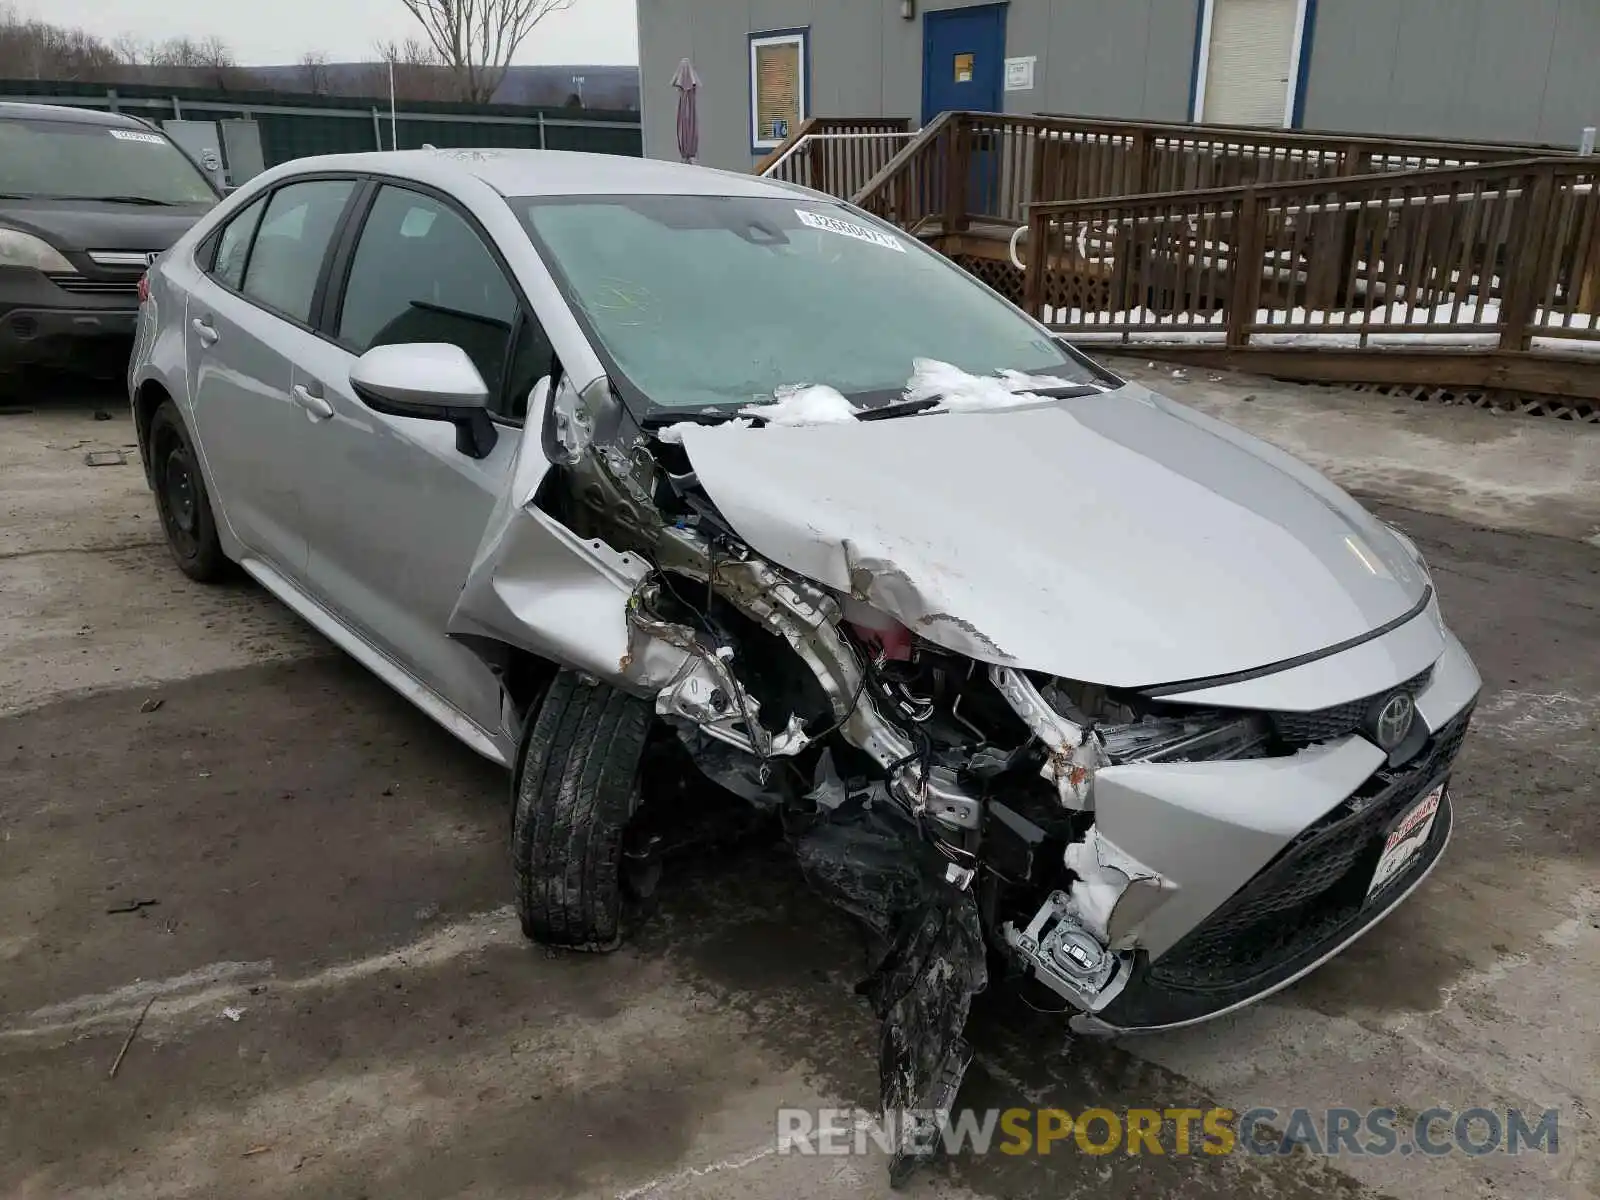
<point>1120,538</point>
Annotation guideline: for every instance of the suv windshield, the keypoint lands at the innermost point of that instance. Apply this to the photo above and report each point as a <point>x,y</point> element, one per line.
<point>713,300</point>
<point>48,159</point>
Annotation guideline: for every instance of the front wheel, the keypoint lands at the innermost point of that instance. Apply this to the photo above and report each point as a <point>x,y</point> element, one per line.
<point>575,789</point>
<point>181,498</point>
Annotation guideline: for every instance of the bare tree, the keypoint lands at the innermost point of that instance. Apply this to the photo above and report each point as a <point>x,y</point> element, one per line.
<point>477,39</point>
<point>418,72</point>
<point>314,74</point>
<point>38,50</point>
<point>130,51</point>
<point>198,62</point>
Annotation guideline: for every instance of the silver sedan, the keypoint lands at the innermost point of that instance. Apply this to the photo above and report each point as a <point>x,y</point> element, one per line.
<point>633,475</point>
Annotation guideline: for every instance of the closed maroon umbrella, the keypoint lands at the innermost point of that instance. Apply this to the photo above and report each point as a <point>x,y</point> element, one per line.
<point>687,81</point>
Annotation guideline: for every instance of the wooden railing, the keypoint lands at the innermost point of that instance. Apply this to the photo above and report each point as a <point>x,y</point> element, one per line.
<point>989,167</point>
<point>838,162</point>
<point>813,126</point>
<point>917,184</point>
<point>1503,256</point>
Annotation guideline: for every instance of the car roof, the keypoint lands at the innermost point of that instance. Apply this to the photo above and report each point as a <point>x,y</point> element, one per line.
<point>550,173</point>
<point>14,111</point>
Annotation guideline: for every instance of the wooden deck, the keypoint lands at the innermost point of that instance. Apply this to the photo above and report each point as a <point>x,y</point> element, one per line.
<point>1406,262</point>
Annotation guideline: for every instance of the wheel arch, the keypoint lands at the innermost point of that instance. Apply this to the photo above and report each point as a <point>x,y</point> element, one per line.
<point>147,397</point>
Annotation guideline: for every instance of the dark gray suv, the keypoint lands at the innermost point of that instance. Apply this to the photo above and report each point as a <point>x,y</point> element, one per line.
<point>87,200</point>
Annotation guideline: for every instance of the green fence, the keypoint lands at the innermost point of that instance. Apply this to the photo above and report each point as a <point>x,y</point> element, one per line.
<point>296,125</point>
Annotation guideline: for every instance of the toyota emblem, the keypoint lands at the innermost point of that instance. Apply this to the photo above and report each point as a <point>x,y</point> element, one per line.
<point>1394,721</point>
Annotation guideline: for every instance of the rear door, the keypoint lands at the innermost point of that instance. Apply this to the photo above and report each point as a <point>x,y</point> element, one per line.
<point>400,511</point>
<point>249,321</point>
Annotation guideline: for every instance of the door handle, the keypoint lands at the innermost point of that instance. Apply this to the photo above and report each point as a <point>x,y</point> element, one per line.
<point>316,405</point>
<point>208,333</point>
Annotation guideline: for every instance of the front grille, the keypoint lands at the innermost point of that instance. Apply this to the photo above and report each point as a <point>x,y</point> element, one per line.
<point>1339,721</point>
<point>1315,888</point>
<point>81,286</point>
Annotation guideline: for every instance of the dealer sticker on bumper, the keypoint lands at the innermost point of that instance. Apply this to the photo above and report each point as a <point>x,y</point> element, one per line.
<point>1407,837</point>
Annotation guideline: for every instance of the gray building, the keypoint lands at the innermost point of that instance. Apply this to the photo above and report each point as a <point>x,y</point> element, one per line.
<point>1506,70</point>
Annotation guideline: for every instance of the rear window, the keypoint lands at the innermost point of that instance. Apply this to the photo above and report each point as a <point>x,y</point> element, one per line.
<point>65,159</point>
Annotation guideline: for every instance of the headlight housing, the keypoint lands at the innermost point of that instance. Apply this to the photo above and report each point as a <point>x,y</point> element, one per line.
<point>1410,548</point>
<point>1204,737</point>
<point>18,249</point>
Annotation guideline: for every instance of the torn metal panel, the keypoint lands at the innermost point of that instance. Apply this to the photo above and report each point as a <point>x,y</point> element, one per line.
<point>708,694</point>
<point>1075,753</point>
<point>892,589</point>
<point>1106,878</point>
<point>808,619</point>
<point>1064,556</point>
<point>536,585</point>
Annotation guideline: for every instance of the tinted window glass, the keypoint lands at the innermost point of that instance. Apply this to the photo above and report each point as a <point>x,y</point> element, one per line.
<point>69,158</point>
<point>233,247</point>
<point>532,358</point>
<point>299,223</point>
<point>422,274</point>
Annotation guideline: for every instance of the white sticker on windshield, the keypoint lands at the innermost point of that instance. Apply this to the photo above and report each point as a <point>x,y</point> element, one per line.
<point>131,135</point>
<point>849,229</point>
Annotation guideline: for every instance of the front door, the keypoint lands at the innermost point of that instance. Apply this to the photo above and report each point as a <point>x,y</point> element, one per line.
<point>963,60</point>
<point>400,510</point>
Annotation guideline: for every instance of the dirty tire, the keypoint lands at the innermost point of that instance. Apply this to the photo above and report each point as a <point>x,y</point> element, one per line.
<point>575,789</point>
<point>181,499</point>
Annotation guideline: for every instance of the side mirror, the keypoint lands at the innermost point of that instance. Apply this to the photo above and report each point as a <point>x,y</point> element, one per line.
<point>430,381</point>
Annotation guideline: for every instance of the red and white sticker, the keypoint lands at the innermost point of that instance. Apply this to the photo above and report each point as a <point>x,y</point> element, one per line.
<point>1406,838</point>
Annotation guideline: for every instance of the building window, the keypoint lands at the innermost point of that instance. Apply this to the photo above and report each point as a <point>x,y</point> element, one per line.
<point>779,87</point>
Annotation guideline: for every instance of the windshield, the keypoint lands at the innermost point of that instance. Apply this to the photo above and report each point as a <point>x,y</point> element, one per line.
<point>46,159</point>
<point>711,300</point>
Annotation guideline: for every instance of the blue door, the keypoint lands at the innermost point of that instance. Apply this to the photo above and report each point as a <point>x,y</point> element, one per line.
<point>963,60</point>
<point>963,69</point>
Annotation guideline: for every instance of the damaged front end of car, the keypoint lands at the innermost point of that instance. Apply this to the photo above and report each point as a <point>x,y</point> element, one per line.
<point>972,813</point>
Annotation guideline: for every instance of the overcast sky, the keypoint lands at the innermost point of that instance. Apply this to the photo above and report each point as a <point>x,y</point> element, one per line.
<point>282,31</point>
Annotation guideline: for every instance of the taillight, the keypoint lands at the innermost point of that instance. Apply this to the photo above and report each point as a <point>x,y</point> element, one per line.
<point>144,288</point>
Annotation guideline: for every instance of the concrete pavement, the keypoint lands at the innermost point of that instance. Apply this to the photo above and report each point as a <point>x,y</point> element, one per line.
<point>330,864</point>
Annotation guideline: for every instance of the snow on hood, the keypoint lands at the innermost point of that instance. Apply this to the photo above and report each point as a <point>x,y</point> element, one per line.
<point>958,391</point>
<point>955,389</point>
<point>673,434</point>
<point>1118,538</point>
<point>808,404</point>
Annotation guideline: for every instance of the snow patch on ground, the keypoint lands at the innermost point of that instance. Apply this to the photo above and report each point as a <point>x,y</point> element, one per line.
<point>1345,328</point>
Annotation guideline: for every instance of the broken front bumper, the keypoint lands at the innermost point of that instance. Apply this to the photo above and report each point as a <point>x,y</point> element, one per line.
<point>1256,871</point>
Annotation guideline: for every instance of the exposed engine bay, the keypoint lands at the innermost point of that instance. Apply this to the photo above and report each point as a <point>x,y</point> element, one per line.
<point>947,803</point>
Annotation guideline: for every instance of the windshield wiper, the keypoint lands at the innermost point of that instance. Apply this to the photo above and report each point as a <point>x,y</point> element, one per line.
<point>149,200</point>
<point>903,408</point>
<point>907,407</point>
